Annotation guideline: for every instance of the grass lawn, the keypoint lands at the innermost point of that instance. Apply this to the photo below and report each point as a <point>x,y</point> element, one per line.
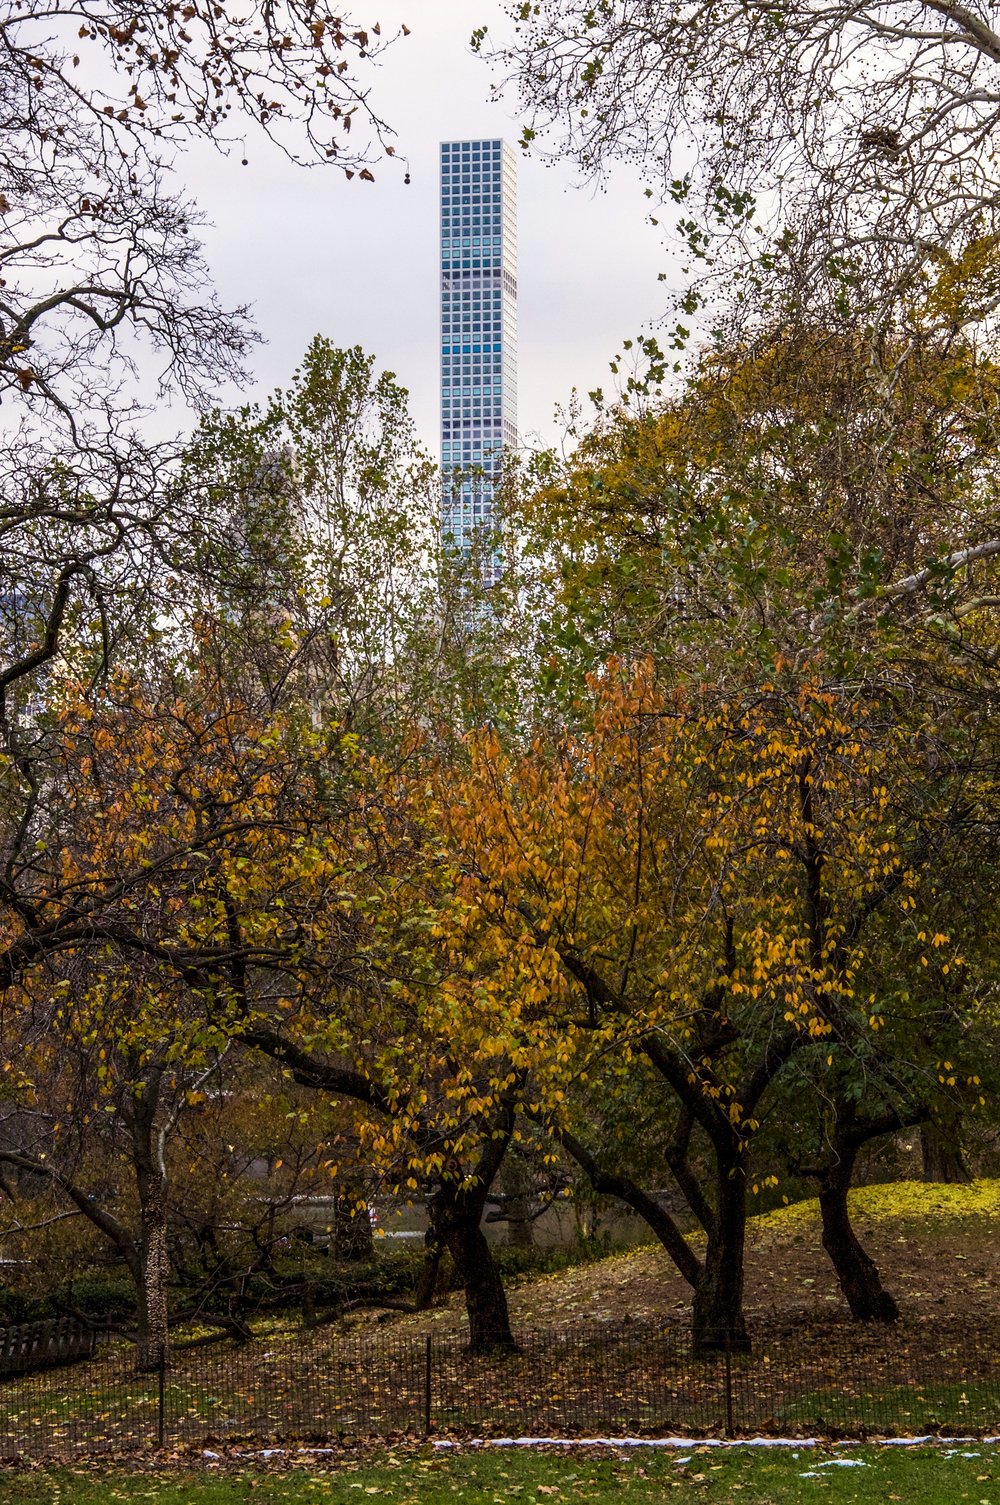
<point>946,1409</point>
<point>915,1476</point>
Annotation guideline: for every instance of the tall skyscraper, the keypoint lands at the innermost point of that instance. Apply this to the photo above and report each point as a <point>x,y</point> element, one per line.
<point>478,331</point>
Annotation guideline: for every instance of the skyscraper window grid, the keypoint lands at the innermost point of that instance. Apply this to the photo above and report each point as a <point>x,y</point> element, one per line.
<point>478,330</point>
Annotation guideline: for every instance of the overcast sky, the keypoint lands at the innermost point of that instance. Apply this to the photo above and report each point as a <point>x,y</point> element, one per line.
<point>357,262</point>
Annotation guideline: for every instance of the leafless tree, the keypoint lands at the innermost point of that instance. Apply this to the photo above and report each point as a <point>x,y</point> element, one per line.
<point>105,301</point>
<point>843,144</point>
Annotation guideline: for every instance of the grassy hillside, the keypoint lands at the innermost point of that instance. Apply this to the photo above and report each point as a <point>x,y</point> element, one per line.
<point>938,1248</point>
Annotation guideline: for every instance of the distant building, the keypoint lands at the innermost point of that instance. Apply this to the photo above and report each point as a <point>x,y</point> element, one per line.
<point>478,330</point>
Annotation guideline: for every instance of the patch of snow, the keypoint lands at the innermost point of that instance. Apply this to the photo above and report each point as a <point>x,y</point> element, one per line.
<point>714,1442</point>
<point>281,1453</point>
<point>631,1442</point>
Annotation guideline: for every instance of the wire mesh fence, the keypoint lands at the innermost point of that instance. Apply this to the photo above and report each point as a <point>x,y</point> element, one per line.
<point>592,1378</point>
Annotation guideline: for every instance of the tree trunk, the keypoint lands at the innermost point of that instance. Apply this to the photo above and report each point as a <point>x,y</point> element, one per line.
<point>857,1272</point>
<point>427,1280</point>
<point>656,1218</point>
<point>517,1194</point>
<point>155,1270</point>
<point>352,1231</point>
<point>680,1168</point>
<point>520,1223</point>
<point>717,1320</point>
<point>153,1264</point>
<point>942,1155</point>
<point>456,1225</point>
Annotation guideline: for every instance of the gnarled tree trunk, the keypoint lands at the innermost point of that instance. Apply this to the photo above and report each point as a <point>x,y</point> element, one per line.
<point>857,1272</point>
<point>455,1221</point>
<point>717,1321</point>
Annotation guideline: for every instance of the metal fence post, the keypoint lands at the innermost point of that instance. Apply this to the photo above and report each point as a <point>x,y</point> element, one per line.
<point>427,1386</point>
<point>161,1397</point>
<point>730,1430</point>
